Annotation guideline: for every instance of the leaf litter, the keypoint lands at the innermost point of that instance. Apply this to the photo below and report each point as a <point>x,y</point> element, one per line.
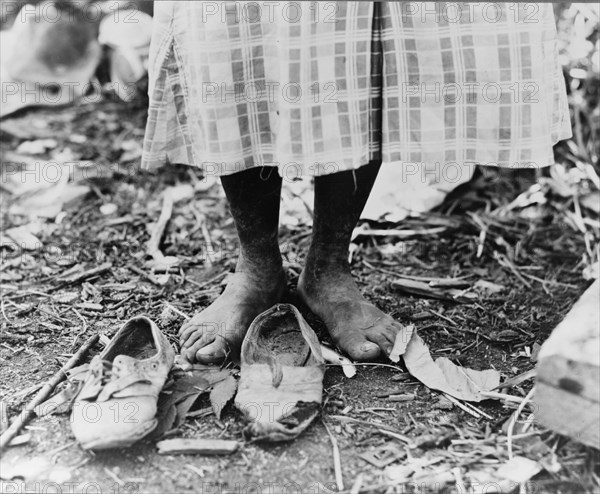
<point>478,451</point>
<point>185,387</point>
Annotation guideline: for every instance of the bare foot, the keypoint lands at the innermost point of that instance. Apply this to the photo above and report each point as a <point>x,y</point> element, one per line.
<point>217,332</point>
<point>357,327</point>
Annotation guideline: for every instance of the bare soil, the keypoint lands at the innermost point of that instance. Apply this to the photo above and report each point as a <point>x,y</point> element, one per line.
<point>532,252</point>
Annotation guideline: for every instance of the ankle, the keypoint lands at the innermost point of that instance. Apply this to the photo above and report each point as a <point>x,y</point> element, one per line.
<point>323,273</point>
<point>268,268</point>
<point>326,261</point>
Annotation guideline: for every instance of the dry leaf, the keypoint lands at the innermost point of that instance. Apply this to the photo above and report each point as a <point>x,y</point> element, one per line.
<point>25,236</point>
<point>519,469</point>
<point>182,391</point>
<point>34,469</point>
<point>402,340</point>
<point>443,375</point>
<point>176,399</point>
<point>221,393</point>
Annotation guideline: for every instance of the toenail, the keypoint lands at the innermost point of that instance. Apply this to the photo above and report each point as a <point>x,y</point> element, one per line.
<point>367,346</point>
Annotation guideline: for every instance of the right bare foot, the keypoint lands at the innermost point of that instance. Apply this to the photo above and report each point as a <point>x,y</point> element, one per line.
<point>217,332</point>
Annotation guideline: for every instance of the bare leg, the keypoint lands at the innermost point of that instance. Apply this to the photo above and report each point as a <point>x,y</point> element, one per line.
<point>326,284</point>
<point>259,279</point>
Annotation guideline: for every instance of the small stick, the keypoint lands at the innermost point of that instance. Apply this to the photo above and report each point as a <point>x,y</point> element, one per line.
<point>152,279</point>
<point>176,310</point>
<point>454,323</point>
<point>337,464</point>
<point>3,416</point>
<point>513,421</point>
<point>502,396</point>
<point>358,482</point>
<point>396,233</point>
<point>514,381</point>
<point>400,437</point>
<point>76,278</point>
<point>152,247</point>
<point>462,407</point>
<point>506,263</point>
<point>475,409</point>
<point>335,358</point>
<point>44,393</point>
<point>208,246</point>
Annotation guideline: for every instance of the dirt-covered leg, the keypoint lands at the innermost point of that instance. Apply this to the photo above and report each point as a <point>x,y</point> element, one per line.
<point>326,284</point>
<point>259,279</point>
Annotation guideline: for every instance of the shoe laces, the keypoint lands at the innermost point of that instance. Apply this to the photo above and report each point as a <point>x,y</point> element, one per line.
<point>103,371</point>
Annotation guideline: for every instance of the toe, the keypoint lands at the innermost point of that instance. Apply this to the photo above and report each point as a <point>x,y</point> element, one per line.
<point>185,337</point>
<point>184,327</point>
<point>381,337</point>
<point>190,336</point>
<point>189,350</point>
<point>213,353</point>
<point>356,345</point>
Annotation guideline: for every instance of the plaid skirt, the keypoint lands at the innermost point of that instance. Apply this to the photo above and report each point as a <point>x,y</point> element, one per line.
<point>321,87</point>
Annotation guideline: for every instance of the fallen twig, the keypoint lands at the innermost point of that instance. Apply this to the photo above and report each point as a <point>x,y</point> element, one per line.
<point>358,482</point>
<point>151,278</point>
<point>502,396</point>
<point>462,406</point>
<point>334,358</point>
<point>514,418</point>
<point>177,311</point>
<point>160,262</point>
<point>358,232</point>
<point>337,464</point>
<point>423,289</point>
<point>197,446</point>
<point>383,428</point>
<point>507,263</point>
<point>516,380</point>
<point>153,245</point>
<point>44,393</point>
<point>4,423</point>
<point>208,246</point>
<point>75,278</point>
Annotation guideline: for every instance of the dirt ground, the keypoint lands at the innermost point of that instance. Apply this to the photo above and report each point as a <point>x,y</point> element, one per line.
<point>532,252</point>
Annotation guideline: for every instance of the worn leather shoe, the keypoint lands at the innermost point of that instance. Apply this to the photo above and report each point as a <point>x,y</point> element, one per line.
<point>116,405</point>
<point>281,376</point>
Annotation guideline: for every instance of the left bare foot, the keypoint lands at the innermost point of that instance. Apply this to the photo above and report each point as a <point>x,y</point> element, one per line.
<point>358,327</point>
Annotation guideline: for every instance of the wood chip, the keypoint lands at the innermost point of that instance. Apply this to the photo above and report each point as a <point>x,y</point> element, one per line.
<point>197,447</point>
<point>401,398</point>
<point>384,455</point>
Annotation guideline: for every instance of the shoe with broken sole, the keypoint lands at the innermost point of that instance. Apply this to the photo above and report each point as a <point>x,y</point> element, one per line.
<point>281,377</point>
<point>116,405</point>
